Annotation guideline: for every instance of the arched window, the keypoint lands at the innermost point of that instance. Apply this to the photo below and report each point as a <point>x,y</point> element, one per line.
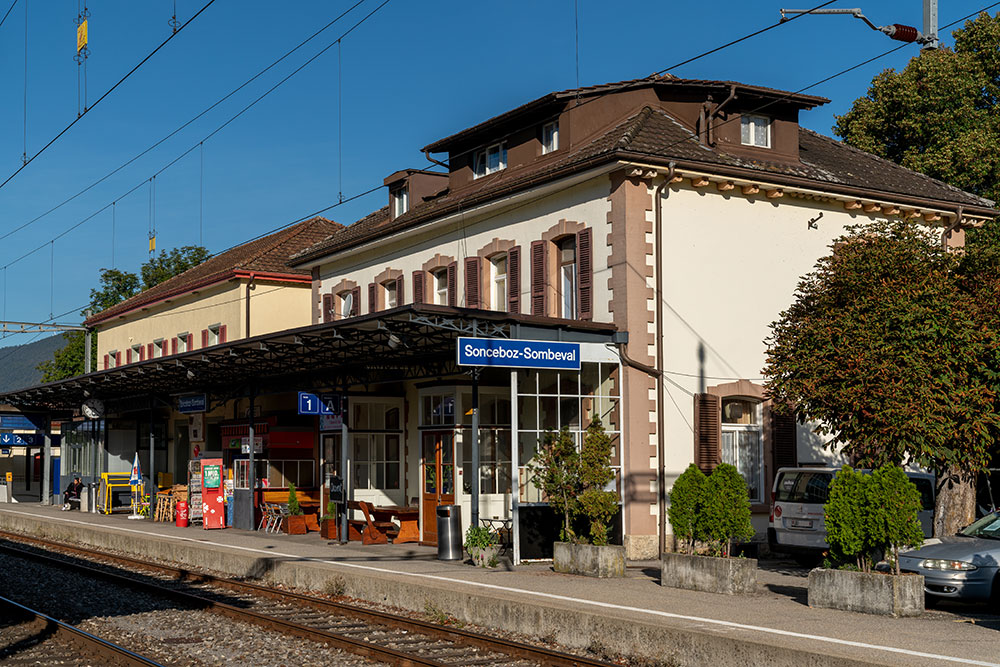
<point>440,278</point>
<point>742,444</point>
<point>498,282</point>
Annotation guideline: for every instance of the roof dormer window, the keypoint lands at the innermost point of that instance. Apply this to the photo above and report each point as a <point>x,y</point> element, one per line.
<point>400,201</point>
<point>550,137</point>
<point>755,131</point>
<point>490,160</point>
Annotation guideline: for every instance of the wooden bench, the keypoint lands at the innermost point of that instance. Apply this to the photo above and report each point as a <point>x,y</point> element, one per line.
<point>369,531</point>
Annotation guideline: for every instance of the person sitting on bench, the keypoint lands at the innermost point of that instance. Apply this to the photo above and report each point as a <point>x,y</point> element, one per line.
<point>72,493</point>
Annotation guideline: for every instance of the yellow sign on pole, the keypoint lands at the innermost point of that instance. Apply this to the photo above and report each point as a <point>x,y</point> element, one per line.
<point>10,478</point>
<point>81,36</point>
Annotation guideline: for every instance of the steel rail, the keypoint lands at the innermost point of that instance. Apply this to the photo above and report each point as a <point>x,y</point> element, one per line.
<point>514,649</point>
<point>108,652</point>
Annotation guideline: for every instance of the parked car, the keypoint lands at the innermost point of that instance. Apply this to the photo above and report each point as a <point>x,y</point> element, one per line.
<point>797,526</point>
<point>964,566</point>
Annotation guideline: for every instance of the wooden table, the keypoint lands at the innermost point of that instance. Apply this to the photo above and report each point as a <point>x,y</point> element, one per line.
<point>408,517</point>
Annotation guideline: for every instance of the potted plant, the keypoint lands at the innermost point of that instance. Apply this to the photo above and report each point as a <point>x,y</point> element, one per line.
<point>707,515</point>
<point>868,516</point>
<point>482,546</point>
<point>575,483</point>
<point>328,529</point>
<point>295,522</point>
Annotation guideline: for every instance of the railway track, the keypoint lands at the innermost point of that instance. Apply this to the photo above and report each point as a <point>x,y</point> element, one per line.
<point>389,638</point>
<point>34,638</point>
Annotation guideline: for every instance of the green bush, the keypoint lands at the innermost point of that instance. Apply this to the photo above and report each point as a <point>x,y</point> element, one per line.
<point>868,515</point>
<point>685,504</point>
<point>331,511</point>
<point>725,511</point>
<point>557,474</point>
<point>598,505</point>
<point>293,501</point>
<point>478,537</point>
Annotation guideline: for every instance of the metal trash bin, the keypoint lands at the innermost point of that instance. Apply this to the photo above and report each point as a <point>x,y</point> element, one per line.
<point>92,499</point>
<point>449,525</point>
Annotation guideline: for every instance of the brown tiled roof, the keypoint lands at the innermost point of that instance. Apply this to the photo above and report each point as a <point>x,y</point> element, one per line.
<point>805,101</point>
<point>265,255</point>
<point>653,136</point>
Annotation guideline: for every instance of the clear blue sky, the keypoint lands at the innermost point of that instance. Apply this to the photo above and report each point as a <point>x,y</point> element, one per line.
<point>412,73</point>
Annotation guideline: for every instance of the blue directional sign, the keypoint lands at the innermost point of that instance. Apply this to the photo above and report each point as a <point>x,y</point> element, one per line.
<point>192,403</point>
<point>309,404</point>
<point>518,353</point>
<point>19,439</point>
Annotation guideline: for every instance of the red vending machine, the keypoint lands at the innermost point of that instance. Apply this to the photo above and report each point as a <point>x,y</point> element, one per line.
<point>213,493</point>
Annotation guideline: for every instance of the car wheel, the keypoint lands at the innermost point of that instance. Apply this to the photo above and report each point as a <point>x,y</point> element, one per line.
<point>807,560</point>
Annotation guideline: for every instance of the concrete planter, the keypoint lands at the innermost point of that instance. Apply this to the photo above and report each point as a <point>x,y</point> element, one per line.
<point>588,560</point>
<point>731,576</point>
<point>483,556</point>
<point>884,594</point>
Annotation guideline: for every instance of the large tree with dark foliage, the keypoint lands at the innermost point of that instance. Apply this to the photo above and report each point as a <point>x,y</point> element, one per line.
<point>893,349</point>
<point>115,286</point>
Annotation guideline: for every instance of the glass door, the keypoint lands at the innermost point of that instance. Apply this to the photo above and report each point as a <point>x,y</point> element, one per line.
<point>437,483</point>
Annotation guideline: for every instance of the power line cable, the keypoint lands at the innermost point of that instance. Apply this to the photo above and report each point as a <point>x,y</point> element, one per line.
<point>9,10</point>
<point>181,127</point>
<point>102,97</point>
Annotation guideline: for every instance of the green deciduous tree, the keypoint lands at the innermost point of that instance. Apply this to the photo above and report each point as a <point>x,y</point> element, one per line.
<point>887,350</point>
<point>940,114</point>
<point>170,263</point>
<point>556,472</point>
<point>685,505</point>
<point>597,504</point>
<point>725,510</point>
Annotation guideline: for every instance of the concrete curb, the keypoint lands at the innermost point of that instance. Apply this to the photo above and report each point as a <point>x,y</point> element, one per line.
<point>611,632</point>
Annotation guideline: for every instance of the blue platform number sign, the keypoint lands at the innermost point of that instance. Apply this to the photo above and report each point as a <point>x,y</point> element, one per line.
<point>518,353</point>
<point>19,439</point>
<point>309,404</point>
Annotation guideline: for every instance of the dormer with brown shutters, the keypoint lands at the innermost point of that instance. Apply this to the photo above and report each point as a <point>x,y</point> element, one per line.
<point>410,187</point>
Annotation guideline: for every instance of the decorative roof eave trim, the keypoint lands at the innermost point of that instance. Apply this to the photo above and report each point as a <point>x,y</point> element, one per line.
<point>273,276</point>
<point>846,193</point>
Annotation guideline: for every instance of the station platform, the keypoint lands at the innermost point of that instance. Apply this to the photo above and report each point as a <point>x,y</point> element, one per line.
<point>632,616</point>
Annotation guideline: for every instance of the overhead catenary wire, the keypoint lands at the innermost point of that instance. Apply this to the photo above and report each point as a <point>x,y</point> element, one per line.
<point>120,81</point>
<point>9,10</point>
<point>182,126</point>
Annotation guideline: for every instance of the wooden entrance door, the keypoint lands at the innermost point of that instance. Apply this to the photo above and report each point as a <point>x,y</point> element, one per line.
<point>437,483</point>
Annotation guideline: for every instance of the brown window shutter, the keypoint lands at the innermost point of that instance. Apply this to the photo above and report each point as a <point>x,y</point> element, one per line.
<point>514,279</point>
<point>128,356</point>
<point>173,345</point>
<point>400,296</point>
<point>707,432</point>
<point>453,284</point>
<point>142,353</point>
<point>355,301</point>
<point>223,334</point>
<point>418,287</point>
<point>190,342</point>
<point>204,338</point>
<point>472,272</point>
<point>372,305</point>
<point>585,274</point>
<point>327,307</point>
<point>538,277</point>
<point>783,445</point>
<point>149,351</point>
<point>107,360</point>
<point>118,358</point>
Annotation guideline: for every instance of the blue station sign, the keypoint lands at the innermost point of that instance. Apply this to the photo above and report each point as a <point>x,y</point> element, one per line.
<point>503,352</point>
<point>192,403</point>
<point>19,439</point>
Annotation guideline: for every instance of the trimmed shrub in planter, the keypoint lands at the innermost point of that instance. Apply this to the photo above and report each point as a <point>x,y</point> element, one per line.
<point>588,559</point>
<point>712,511</point>
<point>328,522</point>
<point>482,547</point>
<point>295,522</point>
<point>867,592</point>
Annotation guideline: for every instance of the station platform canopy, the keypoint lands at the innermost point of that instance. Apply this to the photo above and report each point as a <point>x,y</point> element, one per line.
<point>408,342</point>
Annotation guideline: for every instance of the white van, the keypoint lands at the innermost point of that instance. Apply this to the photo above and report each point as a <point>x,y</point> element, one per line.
<point>797,526</point>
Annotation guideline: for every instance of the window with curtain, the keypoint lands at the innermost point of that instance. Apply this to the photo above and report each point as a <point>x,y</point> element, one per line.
<point>742,444</point>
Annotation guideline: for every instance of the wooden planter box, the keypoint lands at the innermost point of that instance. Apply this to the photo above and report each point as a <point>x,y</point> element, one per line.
<point>295,524</point>
<point>874,593</point>
<point>588,560</point>
<point>482,556</point>
<point>730,576</point>
<point>328,529</point>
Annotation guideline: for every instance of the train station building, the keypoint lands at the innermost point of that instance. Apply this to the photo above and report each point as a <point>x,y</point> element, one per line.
<point>656,226</point>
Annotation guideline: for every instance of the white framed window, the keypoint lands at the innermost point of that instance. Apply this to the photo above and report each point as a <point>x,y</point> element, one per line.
<point>136,353</point>
<point>550,137</point>
<point>158,348</point>
<point>440,287</point>
<point>498,282</point>
<point>346,304</point>
<point>376,443</point>
<point>389,292</point>
<point>490,160</point>
<point>113,359</point>
<point>213,334</point>
<point>400,201</point>
<point>182,342</point>
<point>567,276</point>
<point>742,444</point>
<point>755,131</point>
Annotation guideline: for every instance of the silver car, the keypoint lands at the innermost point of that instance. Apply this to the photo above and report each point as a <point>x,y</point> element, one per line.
<point>964,566</point>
